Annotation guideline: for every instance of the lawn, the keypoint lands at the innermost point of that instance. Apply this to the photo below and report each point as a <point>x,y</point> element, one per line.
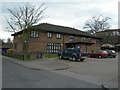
<point>50,55</point>
<point>32,58</point>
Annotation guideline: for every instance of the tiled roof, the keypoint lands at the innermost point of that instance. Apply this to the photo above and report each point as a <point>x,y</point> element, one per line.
<point>109,30</point>
<point>79,41</point>
<point>60,29</point>
<point>7,45</point>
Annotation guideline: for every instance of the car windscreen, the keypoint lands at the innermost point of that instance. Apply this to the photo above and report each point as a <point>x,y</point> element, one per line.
<point>76,50</point>
<point>108,51</point>
<point>104,51</point>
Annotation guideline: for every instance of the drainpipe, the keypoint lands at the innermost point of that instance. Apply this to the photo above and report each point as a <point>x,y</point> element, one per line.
<point>86,47</point>
<point>63,41</point>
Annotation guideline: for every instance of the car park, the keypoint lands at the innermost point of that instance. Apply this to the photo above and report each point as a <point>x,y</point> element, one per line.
<point>98,54</point>
<point>71,54</point>
<point>85,54</point>
<point>111,53</point>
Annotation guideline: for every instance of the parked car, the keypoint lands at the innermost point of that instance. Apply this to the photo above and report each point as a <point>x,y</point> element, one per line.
<point>85,54</point>
<point>99,54</point>
<point>111,53</point>
<point>72,54</point>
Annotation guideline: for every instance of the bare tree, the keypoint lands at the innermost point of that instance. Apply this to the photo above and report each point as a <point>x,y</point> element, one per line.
<point>23,18</point>
<point>9,40</point>
<point>1,42</point>
<point>96,24</point>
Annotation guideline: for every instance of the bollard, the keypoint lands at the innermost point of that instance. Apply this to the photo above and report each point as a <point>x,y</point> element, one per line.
<point>23,56</point>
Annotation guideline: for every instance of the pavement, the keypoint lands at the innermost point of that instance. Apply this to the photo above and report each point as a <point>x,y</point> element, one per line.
<point>41,63</point>
<point>0,72</point>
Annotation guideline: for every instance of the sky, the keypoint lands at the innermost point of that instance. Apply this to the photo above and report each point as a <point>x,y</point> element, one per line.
<point>70,13</point>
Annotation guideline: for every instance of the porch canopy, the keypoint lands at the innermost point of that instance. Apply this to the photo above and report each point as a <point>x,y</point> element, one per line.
<point>118,45</point>
<point>108,45</point>
<point>78,41</point>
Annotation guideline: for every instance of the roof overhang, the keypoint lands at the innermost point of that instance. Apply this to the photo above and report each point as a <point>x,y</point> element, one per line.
<point>59,29</point>
<point>78,42</point>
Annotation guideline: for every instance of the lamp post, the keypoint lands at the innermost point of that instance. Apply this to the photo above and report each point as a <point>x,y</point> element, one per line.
<point>26,47</point>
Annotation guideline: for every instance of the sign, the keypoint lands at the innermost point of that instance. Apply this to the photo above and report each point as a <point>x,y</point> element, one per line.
<point>27,41</point>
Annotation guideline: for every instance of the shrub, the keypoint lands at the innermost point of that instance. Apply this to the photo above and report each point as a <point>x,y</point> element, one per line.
<point>92,51</point>
<point>10,51</point>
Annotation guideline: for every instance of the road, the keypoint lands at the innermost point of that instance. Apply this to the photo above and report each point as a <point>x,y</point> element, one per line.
<point>0,72</point>
<point>95,70</point>
<point>17,76</point>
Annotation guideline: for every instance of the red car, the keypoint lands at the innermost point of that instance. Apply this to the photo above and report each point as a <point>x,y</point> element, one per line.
<point>99,54</point>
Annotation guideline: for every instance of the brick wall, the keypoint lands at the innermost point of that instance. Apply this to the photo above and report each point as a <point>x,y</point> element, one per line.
<point>40,43</point>
<point>19,44</point>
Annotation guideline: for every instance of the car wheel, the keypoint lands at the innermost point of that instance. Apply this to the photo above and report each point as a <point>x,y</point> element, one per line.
<point>89,56</point>
<point>60,57</point>
<point>74,58</point>
<point>94,56</point>
<point>82,59</point>
<point>114,56</point>
<point>111,56</point>
<point>70,58</point>
<point>99,56</point>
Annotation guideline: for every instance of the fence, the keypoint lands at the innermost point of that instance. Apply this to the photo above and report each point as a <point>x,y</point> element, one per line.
<point>23,56</point>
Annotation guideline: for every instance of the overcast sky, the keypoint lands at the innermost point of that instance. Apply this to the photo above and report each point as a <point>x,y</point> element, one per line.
<point>70,13</point>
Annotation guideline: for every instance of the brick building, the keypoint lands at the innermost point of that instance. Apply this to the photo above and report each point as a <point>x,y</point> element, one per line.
<point>49,38</point>
<point>110,36</point>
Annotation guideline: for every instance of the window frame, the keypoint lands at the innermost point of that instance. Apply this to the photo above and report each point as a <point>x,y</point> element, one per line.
<point>49,35</point>
<point>71,37</point>
<point>34,34</point>
<point>58,36</point>
<point>53,47</point>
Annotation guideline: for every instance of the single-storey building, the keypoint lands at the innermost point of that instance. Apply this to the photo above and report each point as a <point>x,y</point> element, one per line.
<point>7,46</point>
<point>49,38</point>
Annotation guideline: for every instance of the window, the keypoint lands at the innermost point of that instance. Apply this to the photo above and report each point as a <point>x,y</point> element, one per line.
<point>58,36</point>
<point>97,41</point>
<point>114,33</point>
<point>71,37</point>
<point>69,50</point>
<point>83,38</point>
<point>34,34</point>
<point>118,33</point>
<point>49,35</point>
<point>19,36</point>
<point>104,51</point>
<point>53,47</point>
<point>15,46</point>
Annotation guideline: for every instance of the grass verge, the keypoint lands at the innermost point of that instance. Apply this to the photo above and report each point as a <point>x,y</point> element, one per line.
<point>50,55</point>
<point>20,58</point>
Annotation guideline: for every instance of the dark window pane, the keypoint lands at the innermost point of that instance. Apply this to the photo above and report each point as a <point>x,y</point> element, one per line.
<point>34,34</point>
<point>58,35</point>
<point>49,35</point>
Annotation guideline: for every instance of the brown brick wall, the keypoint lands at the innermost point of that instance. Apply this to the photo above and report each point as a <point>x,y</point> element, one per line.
<point>93,47</point>
<point>19,43</point>
<point>83,47</point>
<point>40,43</point>
<point>89,47</point>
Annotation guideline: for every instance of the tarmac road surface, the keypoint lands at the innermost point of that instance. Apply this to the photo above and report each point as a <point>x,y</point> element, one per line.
<point>17,76</point>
